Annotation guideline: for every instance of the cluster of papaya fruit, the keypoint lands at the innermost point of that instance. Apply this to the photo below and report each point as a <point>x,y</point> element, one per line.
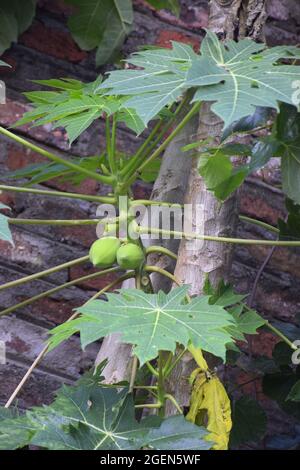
<point>109,250</point>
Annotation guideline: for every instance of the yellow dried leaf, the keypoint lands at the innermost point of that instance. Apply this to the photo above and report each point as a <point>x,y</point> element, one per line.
<point>210,407</point>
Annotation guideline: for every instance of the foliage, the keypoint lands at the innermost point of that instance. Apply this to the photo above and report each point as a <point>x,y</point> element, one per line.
<point>237,77</point>
<point>15,18</point>
<point>152,322</point>
<point>98,24</point>
<point>246,82</point>
<point>249,421</point>
<point>101,24</point>
<point>90,416</point>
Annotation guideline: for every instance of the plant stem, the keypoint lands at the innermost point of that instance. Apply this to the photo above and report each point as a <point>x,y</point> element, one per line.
<point>45,349</point>
<point>162,250</point>
<point>237,241</point>
<point>133,373</point>
<point>259,223</point>
<point>56,289</point>
<point>156,269</point>
<point>195,108</point>
<point>163,146</point>
<point>56,158</point>
<point>174,363</point>
<point>53,222</point>
<point>161,386</point>
<point>146,149</point>
<point>281,335</point>
<point>172,399</point>
<point>148,405</point>
<point>152,370</point>
<point>127,169</point>
<point>42,192</point>
<point>32,277</point>
<point>109,147</point>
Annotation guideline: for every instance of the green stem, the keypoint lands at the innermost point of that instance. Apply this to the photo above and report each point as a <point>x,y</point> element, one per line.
<point>162,250</point>
<point>172,399</point>
<point>281,335</point>
<point>160,385</point>
<point>237,241</point>
<point>259,223</point>
<point>174,363</point>
<point>146,151</point>
<point>109,147</point>
<point>156,269</point>
<point>145,387</point>
<point>195,108</point>
<point>42,192</point>
<point>148,405</point>
<point>166,142</point>
<point>56,158</point>
<point>276,331</point>
<point>130,166</point>
<point>32,277</point>
<point>53,222</point>
<point>58,288</point>
<point>152,370</point>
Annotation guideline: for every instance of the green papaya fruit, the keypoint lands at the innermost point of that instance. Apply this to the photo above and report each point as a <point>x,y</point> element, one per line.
<point>103,252</point>
<point>130,256</point>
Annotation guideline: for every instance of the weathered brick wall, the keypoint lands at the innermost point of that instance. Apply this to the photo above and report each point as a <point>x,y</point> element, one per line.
<point>47,50</point>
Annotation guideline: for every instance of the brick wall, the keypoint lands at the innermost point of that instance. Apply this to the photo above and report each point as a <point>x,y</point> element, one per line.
<point>47,50</point>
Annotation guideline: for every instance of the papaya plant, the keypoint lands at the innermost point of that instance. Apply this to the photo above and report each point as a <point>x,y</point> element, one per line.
<point>251,87</point>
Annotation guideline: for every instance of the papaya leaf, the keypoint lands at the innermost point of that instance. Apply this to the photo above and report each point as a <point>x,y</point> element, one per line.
<point>176,433</point>
<point>237,77</point>
<point>75,106</point>
<point>101,24</point>
<point>152,322</point>
<point>210,404</point>
<point>288,137</point>
<point>15,18</point>
<point>89,416</point>
<point>257,119</point>
<point>5,233</point>
<point>160,82</point>
<point>249,421</point>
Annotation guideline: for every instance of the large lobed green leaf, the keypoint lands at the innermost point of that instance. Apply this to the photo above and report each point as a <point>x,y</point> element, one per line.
<point>89,416</point>
<point>101,24</point>
<point>236,76</point>
<point>75,106</point>
<point>15,18</point>
<point>152,322</point>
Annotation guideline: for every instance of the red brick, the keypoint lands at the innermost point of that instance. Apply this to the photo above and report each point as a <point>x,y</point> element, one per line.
<point>52,42</point>
<point>56,311</point>
<point>97,283</point>
<point>259,208</point>
<point>166,36</point>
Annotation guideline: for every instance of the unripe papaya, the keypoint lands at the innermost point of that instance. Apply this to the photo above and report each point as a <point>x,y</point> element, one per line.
<point>130,256</point>
<point>103,252</point>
